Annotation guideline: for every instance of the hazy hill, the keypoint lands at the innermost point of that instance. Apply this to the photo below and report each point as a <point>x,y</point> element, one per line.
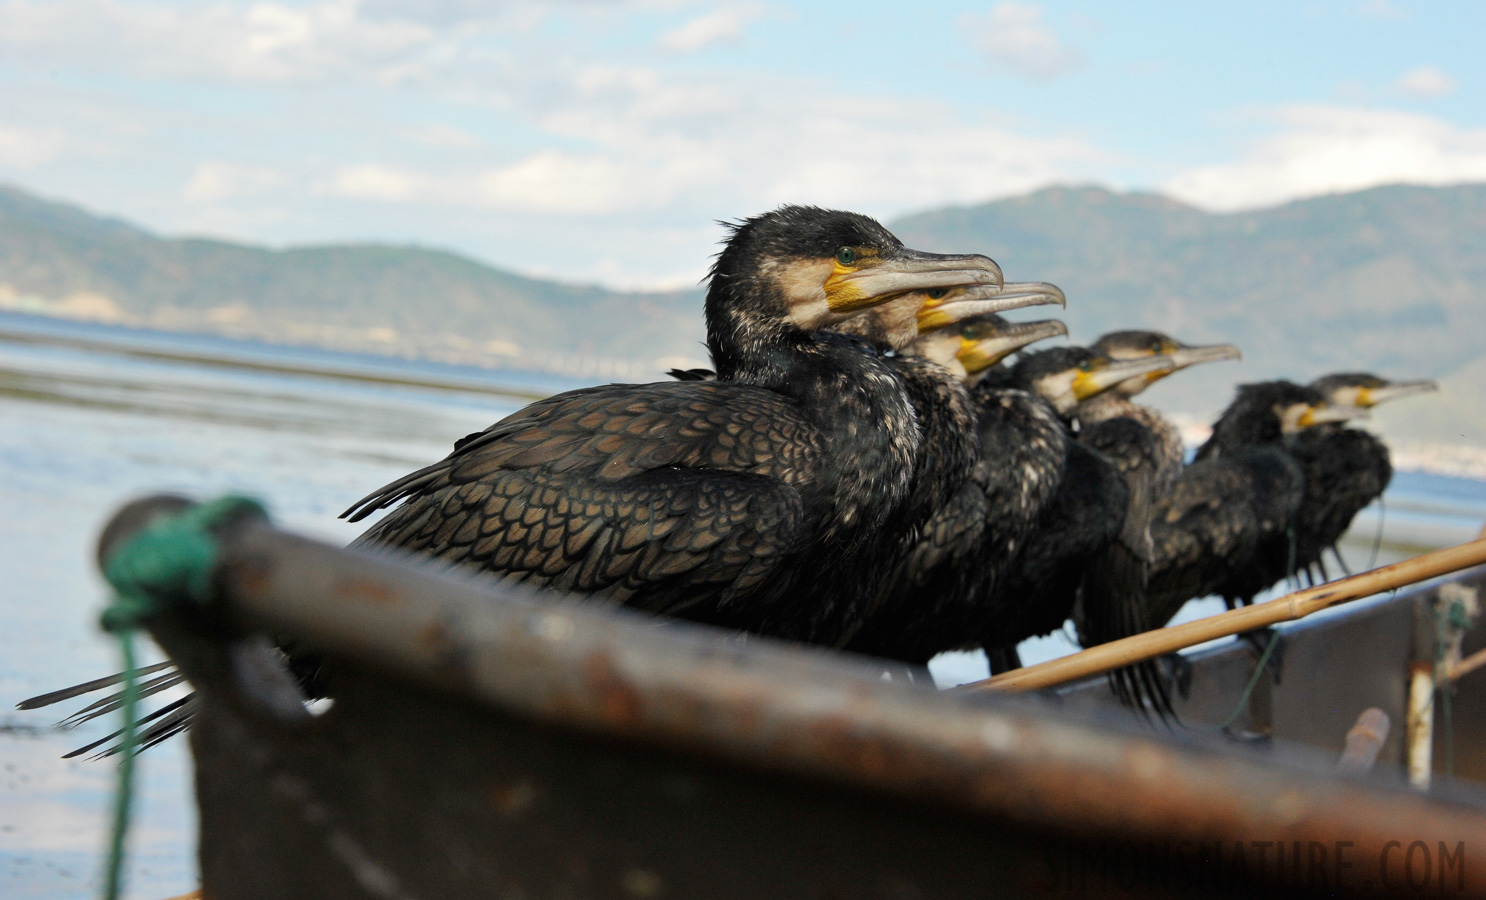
<point>1391,279</point>
<point>59,259</point>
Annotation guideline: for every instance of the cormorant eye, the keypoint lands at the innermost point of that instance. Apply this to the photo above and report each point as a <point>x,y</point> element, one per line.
<point>935,294</point>
<point>1086,366</point>
<point>968,332</point>
<point>846,256</point>
<point>1157,346</point>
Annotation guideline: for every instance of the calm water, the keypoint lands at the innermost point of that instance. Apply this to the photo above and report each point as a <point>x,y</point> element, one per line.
<point>84,428</point>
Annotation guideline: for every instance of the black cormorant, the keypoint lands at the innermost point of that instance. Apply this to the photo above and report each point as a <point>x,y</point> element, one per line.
<point>760,501</point>
<point>924,604</point>
<point>1147,450</point>
<point>1053,504</point>
<point>1226,526</point>
<point>752,502</point>
<point>1345,468</point>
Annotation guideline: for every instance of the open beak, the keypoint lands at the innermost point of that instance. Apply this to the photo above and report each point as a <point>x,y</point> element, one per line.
<point>1368,397</point>
<point>957,306</point>
<point>906,272</point>
<point>1192,356</point>
<point>1100,379</point>
<point>1326,413</point>
<point>977,356</point>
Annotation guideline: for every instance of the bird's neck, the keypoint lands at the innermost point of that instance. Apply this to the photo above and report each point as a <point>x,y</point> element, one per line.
<point>1241,428</point>
<point>1108,405</point>
<point>855,400</point>
<point>1168,440</point>
<point>949,445</point>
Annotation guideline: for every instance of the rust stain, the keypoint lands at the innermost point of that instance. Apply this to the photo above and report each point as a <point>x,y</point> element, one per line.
<point>365,590</point>
<point>434,638</point>
<point>618,701</point>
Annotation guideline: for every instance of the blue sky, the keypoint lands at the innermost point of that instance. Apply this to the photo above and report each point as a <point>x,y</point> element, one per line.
<point>598,141</point>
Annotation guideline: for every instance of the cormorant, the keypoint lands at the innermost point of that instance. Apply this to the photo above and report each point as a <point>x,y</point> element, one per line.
<point>757,502</point>
<point>949,447</point>
<point>1049,503</point>
<point>1346,469</point>
<point>753,502</point>
<point>921,605</point>
<point>1118,402</point>
<point>1226,526</point>
<point>1147,450</point>
<point>793,510</point>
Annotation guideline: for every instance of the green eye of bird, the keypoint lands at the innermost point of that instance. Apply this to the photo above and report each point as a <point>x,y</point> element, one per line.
<point>938,293</point>
<point>846,256</point>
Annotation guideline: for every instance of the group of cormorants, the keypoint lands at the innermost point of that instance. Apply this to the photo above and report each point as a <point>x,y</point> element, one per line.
<point>877,463</point>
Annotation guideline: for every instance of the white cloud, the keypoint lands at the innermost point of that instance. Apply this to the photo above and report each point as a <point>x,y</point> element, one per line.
<point>536,139</point>
<point>383,184</point>
<point>722,26</point>
<point>1327,149</point>
<point>26,148</point>
<point>265,41</point>
<point>213,182</point>
<point>640,141</point>
<point>1014,36</point>
<point>1426,81</point>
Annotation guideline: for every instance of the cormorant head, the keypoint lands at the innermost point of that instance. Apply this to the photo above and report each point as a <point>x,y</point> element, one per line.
<point>1269,411</point>
<point>1067,376</point>
<point>798,269</point>
<point>971,348</point>
<point>1141,344</point>
<point>899,324</point>
<point>1365,390</point>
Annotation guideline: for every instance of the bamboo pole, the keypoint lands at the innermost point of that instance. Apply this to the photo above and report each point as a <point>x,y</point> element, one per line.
<point>1466,666</point>
<point>1151,644</point>
<point>1419,725</point>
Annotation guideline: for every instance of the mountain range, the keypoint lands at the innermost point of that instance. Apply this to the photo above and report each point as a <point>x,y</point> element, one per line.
<point>1391,280</point>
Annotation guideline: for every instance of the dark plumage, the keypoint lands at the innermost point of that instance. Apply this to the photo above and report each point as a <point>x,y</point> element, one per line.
<point>1147,451</point>
<point>932,600</point>
<point>760,501</point>
<point>1227,526</point>
<point>1079,498</point>
<point>1345,469</point>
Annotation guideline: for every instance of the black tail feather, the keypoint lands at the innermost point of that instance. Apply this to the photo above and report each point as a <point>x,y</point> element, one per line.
<point>115,701</point>
<point>77,690</point>
<point>162,711</point>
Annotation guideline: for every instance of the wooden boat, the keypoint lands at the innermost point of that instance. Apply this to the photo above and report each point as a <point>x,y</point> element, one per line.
<point>481,744</point>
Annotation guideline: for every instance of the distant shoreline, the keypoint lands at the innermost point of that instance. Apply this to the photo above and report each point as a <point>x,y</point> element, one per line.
<point>137,343</point>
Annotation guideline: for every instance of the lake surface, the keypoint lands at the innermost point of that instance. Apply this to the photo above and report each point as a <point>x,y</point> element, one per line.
<point>92,416</point>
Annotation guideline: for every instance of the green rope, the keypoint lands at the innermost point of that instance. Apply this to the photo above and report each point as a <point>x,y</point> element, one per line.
<point>168,564</point>
<point>1248,691</point>
<point>1455,621</point>
<point>113,881</point>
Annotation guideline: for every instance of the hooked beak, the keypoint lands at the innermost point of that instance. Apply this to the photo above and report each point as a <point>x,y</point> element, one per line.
<point>977,356</point>
<point>1192,356</point>
<point>1098,380</point>
<point>849,290</point>
<point>1369,397</point>
<point>957,306</point>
